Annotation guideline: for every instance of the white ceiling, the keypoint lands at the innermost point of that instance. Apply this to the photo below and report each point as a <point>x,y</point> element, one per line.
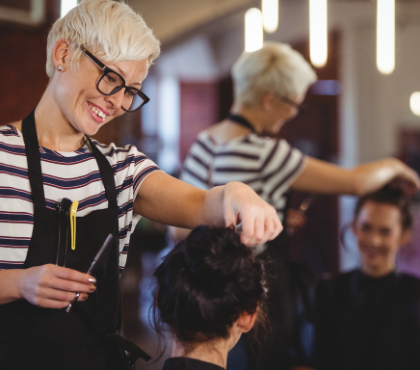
<point>175,19</point>
<point>172,18</point>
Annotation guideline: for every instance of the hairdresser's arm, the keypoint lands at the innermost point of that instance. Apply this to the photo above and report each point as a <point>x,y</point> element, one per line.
<point>323,177</point>
<point>170,201</point>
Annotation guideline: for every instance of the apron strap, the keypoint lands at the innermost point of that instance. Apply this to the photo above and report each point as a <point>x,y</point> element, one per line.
<point>107,174</point>
<point>33,156</point>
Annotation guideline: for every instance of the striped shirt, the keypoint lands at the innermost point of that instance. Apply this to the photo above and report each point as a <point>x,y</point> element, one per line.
<point>73,175</point>
<point>269,166</point>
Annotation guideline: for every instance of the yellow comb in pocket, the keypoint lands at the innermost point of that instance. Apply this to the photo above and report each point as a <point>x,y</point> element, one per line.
<point>73,210</point>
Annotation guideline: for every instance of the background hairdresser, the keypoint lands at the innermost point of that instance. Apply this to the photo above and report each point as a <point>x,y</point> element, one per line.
<point>269,87</point>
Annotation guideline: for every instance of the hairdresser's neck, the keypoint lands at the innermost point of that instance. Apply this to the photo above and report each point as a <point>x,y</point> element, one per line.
<point>214,352</point>
<point>250,113</point>
<point>54,131</point>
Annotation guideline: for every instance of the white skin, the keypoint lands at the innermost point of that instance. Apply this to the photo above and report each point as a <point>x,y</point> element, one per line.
<point>270,114</point>
<point>62,118</point>
<point>380,235</point>
<point>318,176</point>
<point>216,351</point>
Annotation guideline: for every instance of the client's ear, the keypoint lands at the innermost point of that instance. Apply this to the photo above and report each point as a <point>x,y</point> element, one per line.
<point>246,321</point>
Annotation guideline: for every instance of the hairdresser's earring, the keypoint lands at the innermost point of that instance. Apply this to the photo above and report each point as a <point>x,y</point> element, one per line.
<point>60,68</point>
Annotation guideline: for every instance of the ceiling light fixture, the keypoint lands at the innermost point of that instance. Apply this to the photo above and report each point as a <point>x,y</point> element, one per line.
<point>385,33</point>
<point>318,25</point>
<point>253,30</point>
<point>270,14</point>
<point>415,103</point>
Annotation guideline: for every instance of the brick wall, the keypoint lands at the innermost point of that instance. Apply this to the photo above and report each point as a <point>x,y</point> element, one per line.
<point>22,65</point>
<point>199,110</point>
<point>23,78</point>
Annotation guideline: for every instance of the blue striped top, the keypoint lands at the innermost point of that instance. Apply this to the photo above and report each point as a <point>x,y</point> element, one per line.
<point>267,165</point>
<point>73,175</point>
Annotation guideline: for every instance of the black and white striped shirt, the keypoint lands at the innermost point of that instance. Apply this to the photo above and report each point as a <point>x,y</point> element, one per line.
<point>267,165</point>
<point>65,174</point>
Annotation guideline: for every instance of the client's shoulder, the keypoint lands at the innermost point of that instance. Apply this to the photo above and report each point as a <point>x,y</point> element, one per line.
<point>329,283</point>
<point>411,282</point>
<point>336,276</point>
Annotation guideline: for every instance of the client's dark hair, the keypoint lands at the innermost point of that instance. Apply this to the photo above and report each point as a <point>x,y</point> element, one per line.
<point>205,283</point>
<point>392,196</point>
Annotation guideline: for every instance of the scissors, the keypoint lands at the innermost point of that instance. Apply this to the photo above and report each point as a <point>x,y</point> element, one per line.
<point>106,243</point>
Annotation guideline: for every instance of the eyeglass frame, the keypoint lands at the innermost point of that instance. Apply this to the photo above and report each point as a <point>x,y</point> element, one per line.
<point>301,108</point>
<point>106,70</point>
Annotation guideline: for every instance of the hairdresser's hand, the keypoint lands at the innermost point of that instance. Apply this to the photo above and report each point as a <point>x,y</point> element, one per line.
<point>260,222</point>
<point>407,179</point>
<point>325,178</point>
<point>52,286</point>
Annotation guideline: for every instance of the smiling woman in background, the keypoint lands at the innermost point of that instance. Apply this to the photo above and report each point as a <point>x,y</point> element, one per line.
<point>369,318</point>
<point>97,58</point>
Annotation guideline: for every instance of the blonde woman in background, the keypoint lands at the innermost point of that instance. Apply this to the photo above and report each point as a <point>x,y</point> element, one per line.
<point>97,58</point>
<point>270,85</point>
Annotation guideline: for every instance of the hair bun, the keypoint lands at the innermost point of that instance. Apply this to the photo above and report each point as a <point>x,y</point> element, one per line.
<point>205,282</point>
<point>214,256</point>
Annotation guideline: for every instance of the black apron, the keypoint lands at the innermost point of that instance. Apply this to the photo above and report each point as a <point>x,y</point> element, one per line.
<point>35,337</point>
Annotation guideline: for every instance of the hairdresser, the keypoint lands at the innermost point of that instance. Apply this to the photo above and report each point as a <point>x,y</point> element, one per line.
<point>97,58</point>
<point>270,85</point>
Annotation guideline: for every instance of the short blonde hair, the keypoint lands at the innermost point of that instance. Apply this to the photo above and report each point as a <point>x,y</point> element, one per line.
<point>275,68</point>
<point>110,29</point>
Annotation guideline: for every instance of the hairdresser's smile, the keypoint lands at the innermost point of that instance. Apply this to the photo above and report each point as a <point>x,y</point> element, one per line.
<point>98,113</point>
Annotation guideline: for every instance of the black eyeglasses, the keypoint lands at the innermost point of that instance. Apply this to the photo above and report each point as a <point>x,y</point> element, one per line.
<point>301,108</point>
<point>111,82</point>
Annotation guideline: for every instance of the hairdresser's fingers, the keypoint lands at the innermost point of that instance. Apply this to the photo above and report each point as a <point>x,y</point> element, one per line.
<point>410,179</point>
<point>278,226</point>
<point>41,283</point>
<point>83,297</point>
<point>70,286</point>
<point>242,204</point>
<point>230,217</point>
<point>409,188</point>
<point>248,227</point>
<point>51,303</point>
<point>260,236</point>
<point>270,228</point>
<point>73,275</point>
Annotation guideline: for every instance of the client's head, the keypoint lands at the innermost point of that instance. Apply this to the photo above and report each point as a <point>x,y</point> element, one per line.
<point>209,289</point>
<point>382,224</point>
